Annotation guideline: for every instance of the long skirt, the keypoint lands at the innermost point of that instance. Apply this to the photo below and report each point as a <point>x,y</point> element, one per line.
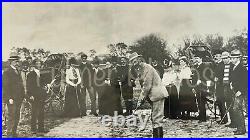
<point>187,97</point>
<point>72,107</point>
<point>106,100</point>
<point>171,104</point>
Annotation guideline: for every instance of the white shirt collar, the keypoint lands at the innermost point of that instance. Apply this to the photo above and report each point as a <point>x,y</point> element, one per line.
<point>13,67</point>
<point>37,71</point>
<point>236,64</point>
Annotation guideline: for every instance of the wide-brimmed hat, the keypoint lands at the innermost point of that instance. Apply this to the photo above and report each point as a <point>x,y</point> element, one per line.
<point>13,56</point>
<point>133,56</point>
<point>183,58</point>
<point>235,54</point>
<point>225,55</point>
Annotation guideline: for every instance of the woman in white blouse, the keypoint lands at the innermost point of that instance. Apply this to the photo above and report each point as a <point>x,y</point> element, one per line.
<point>186,97</point>
<point>72,107</point>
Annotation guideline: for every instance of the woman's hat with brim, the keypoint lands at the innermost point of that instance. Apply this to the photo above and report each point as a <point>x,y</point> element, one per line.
<point>225,55</point>
<point>183,58</point>
<point>235,54</point>
<point>133,56</point>
<point>13,56</point>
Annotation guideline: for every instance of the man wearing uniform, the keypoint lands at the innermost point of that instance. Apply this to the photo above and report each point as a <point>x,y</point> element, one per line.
<point>13,94</point>
<point>219,93</point>
<point>239,85</point>
<point>153,91</point>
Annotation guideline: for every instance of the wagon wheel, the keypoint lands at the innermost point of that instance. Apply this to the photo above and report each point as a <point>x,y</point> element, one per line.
<point>58,106</point>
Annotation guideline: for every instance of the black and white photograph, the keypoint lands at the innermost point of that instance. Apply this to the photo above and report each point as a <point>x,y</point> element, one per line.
<point>125,70</point>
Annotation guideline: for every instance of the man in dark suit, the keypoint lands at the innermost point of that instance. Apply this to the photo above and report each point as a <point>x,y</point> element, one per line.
<point>239,85</point>
<point>126,85</point>
<point>202,74</point>
<point>158,67</point>
<point>36,94</point>
<point>86,71</point>
<point>219,93</point>
<point>115,85</point>
<point>99,78</point>
<point>13,94</point>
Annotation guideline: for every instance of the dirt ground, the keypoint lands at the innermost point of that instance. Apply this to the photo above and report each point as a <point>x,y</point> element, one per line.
<point>91,126</point>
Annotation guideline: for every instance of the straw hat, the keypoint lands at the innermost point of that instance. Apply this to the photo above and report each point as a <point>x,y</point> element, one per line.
<point>133,56</point>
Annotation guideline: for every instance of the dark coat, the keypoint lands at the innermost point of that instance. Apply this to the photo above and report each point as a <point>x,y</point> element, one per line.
<point>87,72</point>
<point>99,78</point>
<point>33,88</point>
<point>13,87</point>
<point>204,73</point>
<point>126,82</point>
<point>160,70</point>
<point>219,72</point>
<point>239,79</point>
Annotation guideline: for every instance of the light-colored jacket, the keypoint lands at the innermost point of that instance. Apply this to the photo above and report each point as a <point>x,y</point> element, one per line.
<point>152,84</point>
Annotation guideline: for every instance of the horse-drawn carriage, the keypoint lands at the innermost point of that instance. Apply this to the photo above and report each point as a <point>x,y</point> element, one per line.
<point>205,54</point>
<point>53,73</point>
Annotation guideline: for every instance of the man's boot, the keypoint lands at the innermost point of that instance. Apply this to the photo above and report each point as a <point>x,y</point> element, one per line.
<point>158,132</point>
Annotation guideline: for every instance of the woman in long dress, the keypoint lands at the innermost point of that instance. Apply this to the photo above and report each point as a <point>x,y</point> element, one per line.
<point>186,97</point>
<point>72,107</point>
<point>171,103</point>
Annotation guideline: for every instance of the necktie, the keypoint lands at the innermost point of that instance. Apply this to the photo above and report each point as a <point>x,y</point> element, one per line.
<point>38,80</point>
<point>74,73</point>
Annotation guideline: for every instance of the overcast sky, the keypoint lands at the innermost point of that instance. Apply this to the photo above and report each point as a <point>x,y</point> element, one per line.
<point>75,27</point>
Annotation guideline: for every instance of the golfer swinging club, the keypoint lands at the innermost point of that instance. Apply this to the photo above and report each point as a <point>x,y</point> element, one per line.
<point>153,90</point>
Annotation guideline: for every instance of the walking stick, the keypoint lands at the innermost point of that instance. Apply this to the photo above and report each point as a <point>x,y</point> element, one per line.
<point>215,88</point>
<point>196,100</point>
<point>227,111</point>
<point>78,102</point>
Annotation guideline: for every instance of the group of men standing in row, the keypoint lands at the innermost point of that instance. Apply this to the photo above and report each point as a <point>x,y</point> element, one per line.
<point>231,77</point>
<point>24,81</point>
<point>116,81</point>
<point>19,84</point>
